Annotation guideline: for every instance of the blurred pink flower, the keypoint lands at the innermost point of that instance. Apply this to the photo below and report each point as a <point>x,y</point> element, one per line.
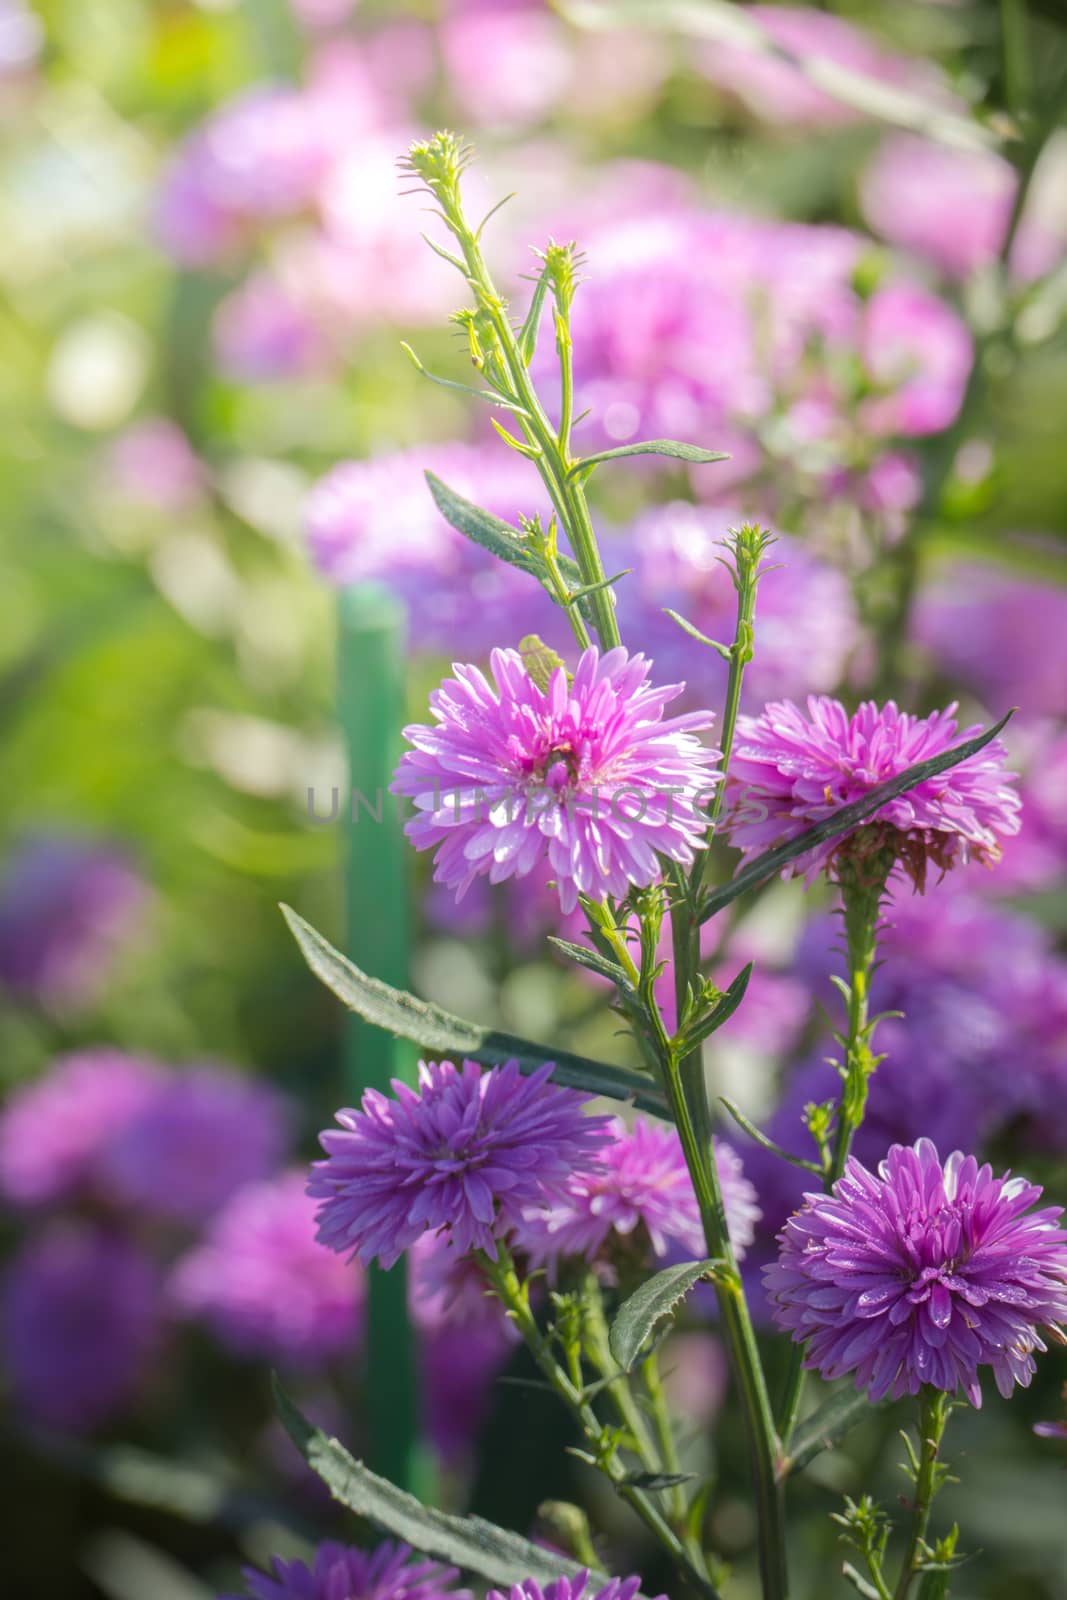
<point>952,206</point>
<point>153,464</point>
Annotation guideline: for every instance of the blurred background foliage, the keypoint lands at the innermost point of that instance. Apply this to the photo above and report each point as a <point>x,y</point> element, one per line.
<point>167,649</point>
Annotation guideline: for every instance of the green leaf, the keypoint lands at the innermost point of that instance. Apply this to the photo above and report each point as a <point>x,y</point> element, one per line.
<point>826,1426</point>
<point>722,1012</point>
<point>648,447</point>
<point>695,633</point>
<point>593,961</point>
<point>468,1542</point>
<point>443,1034</point>
<point>655,1481</point>
<point>772,861</point>
<point>502,540</point>
<point>539,659</point>
<point>650,1304</point>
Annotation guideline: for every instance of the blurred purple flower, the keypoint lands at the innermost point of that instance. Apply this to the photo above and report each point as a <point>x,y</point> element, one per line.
<point>952,206</point>
<point>1037,857</point>
<point>341,1572</point>
<point>375,521</point>
<point>67,907</point>
<point>641,1192</point>
<point>263,333</point>
<point>467,1153</point>
<point>81,1318</point>
<point>1002,636</point>
<point>586,774</point>
<point>205,1133</point>
<point>265,1285</point>
<point>807,618</point>
<point>922,1274</point>
<point>508,61</point>
<point>790,771</point>
<point>53,1131</point>
<point>260,157</point>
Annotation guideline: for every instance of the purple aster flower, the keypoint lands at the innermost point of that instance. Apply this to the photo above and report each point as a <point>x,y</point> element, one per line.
<point>570,1589</point>
<point>790,771</point>
<point>52,1132</point>
<point>80,1317</point>
<point>340,1572</point>
<point>262,333</point>
<point>205,1133</point>
<point>586,774</point>
<point>263,1282</point>
<point>921,1274</point>
<point>67,907</point>
<point>467,1152</point>
<point>640,1187</point>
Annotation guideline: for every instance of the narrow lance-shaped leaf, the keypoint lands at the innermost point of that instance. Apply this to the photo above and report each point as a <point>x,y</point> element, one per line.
<point>648,447</point>
<point>468,1542</point>
<point>772,861</point>
<point>656,1299</point>
<point>503,541</point>
<point>826,1426</point>
<point>720,1013</point>
<point>443,1034</point>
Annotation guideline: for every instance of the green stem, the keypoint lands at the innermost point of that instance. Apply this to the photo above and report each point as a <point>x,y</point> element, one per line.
<point>934,1407</point>
<point>513,1296</point>
<point>741,1341</point>
<point>552,459</point>
<point>1015,55</point>
<point>661,1419</point>
<point>862,889</point>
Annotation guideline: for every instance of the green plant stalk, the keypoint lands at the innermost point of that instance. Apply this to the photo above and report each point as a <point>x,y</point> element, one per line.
<point>668,1444</point>
<point>509,1290</point>
<point>685,906</point>
<point>934,1408</point>
<point>861,890</point>
<point>552,457</point>
<point>370,699</point>
<point>740,1335</point>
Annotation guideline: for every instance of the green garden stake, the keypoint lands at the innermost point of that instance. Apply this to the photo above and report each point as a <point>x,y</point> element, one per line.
<point>371,707</point>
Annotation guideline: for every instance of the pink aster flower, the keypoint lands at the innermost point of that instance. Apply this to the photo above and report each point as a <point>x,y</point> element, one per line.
<point>263,1282</point>
<point>790,771</point>
<point>640,1187</point>
<point>466,1152</point>
<point>341,1572</point>
<point>920,1274</point>
<point>586,774</point>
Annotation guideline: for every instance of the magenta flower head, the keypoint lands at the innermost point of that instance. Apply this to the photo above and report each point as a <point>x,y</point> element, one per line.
<point>584,773</point>
<point>790,771</point>
<point>261,1280</point>
<point>340,1572</point>
<point>467,1152</point>
<point>570,1589</point>
<point>641,1193</point>
<point>922,1274</point>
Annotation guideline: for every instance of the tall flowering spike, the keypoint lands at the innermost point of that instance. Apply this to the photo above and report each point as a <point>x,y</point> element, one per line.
<point>922,1274</point>
<point>587,774</point>
<point>640,1191</point>
<point>790,770</point>
<point>576,1588</point>
<point>466,1153</point>
<point>341,1572</point>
